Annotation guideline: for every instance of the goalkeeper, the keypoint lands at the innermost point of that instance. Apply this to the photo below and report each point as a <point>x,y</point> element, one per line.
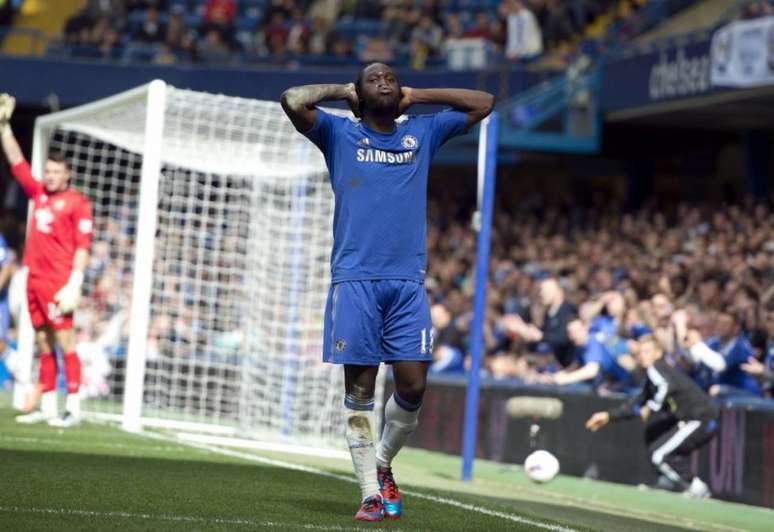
<point>377,309</point>
<point>56,254</point>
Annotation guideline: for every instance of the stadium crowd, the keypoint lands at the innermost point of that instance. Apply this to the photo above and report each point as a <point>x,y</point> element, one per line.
<point>291,32</point>
<point>569,288</point>
<point>757,9</point>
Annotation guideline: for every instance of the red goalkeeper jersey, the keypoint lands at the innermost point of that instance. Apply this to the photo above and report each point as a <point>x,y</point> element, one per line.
<point>61,224</point>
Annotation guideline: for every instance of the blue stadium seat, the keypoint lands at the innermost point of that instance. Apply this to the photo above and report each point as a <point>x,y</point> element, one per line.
<point>195,5</point>
<point>473,5</point>
<point>193,20</point>
<point>57,50</point>
<point>261,4</point>
<point>140,53</point>
<point>255,11</point>
<point>327,60</point>
<point>84,51</point>
<point>466,19</point>
<point>246,23</point>
<point>352,28</point>
<point>136,18</point>
<point>246,40</point>
<point>590,47</point>
<point>179,3</point>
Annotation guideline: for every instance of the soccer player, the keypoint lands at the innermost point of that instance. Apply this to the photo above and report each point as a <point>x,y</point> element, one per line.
<point>377,309</point>
<point>668,391</point>
<point>56,254</point>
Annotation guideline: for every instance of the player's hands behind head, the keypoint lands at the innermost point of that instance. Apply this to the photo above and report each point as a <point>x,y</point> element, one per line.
<point>353,100</point>
<point>405,100</point>
<point>7,105</point>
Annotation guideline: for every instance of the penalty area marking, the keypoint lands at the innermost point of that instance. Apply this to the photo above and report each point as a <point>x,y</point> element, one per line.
<point>174,518</point>
<point>297,467</point>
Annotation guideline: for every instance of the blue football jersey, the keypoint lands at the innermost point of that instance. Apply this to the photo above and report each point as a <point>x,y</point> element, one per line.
<point>736,352</point>
<point>597,351</point>
<point>379,181</point>
<point>5,315</point>
<point>5,252</point>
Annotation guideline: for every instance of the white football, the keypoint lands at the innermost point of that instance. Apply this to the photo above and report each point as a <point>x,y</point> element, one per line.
<point>541,466</point>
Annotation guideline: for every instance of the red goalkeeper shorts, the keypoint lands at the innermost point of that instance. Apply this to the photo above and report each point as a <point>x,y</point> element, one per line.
<point>43,308</point>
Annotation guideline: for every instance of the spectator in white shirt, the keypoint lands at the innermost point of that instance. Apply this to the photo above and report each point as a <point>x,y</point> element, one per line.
<point>524,38</point>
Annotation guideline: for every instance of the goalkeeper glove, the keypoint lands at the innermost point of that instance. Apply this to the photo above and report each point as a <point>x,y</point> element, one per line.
<point>70,294</point>
<point>7,104</point>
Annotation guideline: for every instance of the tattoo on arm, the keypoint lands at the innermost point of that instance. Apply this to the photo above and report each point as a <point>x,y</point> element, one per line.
<point>299,102</point>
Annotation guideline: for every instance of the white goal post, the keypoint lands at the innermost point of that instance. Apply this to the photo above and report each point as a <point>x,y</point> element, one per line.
<point>205,292</point>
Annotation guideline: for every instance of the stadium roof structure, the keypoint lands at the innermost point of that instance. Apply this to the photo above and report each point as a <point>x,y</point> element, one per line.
<point>730,110</point>
<point>673,85</point>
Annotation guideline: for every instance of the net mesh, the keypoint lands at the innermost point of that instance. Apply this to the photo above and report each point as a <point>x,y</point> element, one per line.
<point>240,270</point>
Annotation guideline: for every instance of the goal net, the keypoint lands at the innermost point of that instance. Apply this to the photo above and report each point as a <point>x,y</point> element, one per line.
<point>205,292</point>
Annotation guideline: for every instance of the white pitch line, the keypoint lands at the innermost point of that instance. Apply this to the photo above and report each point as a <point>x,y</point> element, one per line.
<point>297,467</point>
<point>175,518</point>
<point>243,443</point>
<point>52,441</point>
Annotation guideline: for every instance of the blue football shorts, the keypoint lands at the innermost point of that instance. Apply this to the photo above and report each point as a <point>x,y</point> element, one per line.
<point>370,322</point>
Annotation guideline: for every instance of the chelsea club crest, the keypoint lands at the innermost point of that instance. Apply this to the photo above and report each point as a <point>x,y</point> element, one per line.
<point>409,142</point>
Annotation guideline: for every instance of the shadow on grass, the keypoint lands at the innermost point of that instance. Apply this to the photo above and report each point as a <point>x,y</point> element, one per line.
<point>212,490</point>
<point>570,516</point>
<point>313,503</point>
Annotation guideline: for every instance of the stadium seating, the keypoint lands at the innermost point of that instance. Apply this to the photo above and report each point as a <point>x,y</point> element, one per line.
<point>614,22</point>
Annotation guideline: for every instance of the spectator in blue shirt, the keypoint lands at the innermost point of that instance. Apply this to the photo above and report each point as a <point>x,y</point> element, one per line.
<point>736,350</point>
<point>447,342</point>
<point>597,362</point>
<point>6,270</point>
<point>606,325</point>
<point>764,370</point>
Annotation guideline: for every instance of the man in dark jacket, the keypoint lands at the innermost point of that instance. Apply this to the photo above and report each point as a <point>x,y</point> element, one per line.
<point>668,391</point>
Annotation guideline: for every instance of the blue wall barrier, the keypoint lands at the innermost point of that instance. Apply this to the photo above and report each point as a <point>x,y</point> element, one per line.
<point>33,81</point>
<point>738,465</point>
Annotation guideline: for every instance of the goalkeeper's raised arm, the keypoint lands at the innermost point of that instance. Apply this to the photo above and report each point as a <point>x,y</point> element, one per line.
<point>20,168</point>
<point>10,146</point>
<point>56,254</point>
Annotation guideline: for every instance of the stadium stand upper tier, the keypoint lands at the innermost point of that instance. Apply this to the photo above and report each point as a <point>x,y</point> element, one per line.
<point>461,34</point>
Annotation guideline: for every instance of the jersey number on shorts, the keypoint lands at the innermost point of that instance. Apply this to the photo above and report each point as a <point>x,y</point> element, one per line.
<point>425,347</point>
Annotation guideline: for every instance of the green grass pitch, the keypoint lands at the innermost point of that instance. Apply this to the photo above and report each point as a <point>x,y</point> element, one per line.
<point>97,477</point>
